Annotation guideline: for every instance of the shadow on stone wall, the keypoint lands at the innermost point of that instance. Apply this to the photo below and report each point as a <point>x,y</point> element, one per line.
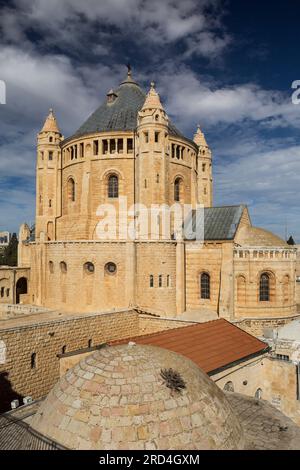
<point>7,393</point>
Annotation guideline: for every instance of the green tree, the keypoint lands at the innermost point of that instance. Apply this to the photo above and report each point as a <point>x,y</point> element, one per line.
<point>10,254</point>
<point>291,241</point>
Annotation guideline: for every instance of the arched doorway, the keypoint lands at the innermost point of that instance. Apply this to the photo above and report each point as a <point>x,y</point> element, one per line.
<point>21,288</point>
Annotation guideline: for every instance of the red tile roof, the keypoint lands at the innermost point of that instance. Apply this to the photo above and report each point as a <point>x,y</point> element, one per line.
<point>212,345</point>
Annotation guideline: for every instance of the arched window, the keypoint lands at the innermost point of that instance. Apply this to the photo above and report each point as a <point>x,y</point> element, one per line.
<point>286,289</point>
<point>205,286</point>
<point>63,267</point>
<point>160,280</point>
<point>21,288</point>
<point>228,387</point>
<point>177,189</point>
<point>258,394</point>
<point>113,186</point>
<point>71,189</point>
<point>51,267</point>
<point>264,288</point>
<point>241,289</point>
<point>151,280</point>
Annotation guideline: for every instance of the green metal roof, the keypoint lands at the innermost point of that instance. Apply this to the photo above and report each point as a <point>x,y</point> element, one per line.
<point>120,114</point>
<point>213,223</point>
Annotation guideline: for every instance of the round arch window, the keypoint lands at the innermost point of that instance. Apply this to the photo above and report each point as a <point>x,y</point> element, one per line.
<point>63,267</point>
<point>89,267</point>
<point>111,268</point>
<point>51,267</point>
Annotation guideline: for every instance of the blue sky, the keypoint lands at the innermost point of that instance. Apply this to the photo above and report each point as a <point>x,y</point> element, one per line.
<point>227,65</point>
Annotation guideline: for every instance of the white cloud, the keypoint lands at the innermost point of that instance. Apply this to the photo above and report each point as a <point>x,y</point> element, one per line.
<point>266,180</point>
<point>67,22</point>
<point>248,169</point>
<point>17,205</point>
<point>191,98</point>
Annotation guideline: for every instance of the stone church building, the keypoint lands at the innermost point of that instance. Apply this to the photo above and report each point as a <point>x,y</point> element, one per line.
<point>129,148</point>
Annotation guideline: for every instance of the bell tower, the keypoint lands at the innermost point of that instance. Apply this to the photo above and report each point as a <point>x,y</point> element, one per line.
<point>47,178</point>
<point>152,152</point>
<point>204,179</point>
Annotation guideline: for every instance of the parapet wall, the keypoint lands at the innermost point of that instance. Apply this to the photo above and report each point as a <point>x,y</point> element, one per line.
<point>31,362</point>
<point>256,326</point>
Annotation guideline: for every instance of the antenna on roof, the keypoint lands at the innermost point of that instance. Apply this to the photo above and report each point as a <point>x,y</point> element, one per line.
<point>286,229</point>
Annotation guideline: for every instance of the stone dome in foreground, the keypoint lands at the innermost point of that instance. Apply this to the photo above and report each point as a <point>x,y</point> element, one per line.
<point>125,397</point>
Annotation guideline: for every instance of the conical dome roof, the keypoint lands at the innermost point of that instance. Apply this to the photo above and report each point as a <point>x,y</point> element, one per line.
<point>199,138</point>
<point>152,100</point>
<point>138,397</point>
<point>120,113</point>
<point>50,124</point>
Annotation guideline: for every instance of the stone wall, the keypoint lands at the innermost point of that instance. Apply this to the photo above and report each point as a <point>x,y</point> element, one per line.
<point>216,259</point>
<point>276,380</point>
<point>256,326</point>
<point>156,259</point>
<point>298,275</point>
<point>9,277</point>
<point>75,288</point>
<point>249,264</point>
<point>149,324</point>
<point>32,365</point>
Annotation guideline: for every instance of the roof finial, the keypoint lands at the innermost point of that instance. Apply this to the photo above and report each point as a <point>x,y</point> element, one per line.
<point>129,69</point>
<point>152,84</point>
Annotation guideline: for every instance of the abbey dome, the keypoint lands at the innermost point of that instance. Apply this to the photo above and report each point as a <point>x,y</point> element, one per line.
<point>255,236</point>
<point>119,111</point>
<point>138,397</point>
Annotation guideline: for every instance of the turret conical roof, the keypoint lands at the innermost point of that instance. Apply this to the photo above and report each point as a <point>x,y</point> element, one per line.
<point>152,100</point>
<point>199,138</point>
<point>50,124</point>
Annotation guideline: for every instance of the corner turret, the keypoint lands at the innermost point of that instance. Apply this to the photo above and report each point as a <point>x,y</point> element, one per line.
<point>47,175</point>
<point>204,164</point>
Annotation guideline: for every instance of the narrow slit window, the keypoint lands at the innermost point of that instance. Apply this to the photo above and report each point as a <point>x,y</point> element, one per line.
<point>205,286</point>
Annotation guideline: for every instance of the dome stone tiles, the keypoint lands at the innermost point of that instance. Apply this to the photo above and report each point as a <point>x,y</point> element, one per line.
<point>116,398</point>
<point>255,236</point>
